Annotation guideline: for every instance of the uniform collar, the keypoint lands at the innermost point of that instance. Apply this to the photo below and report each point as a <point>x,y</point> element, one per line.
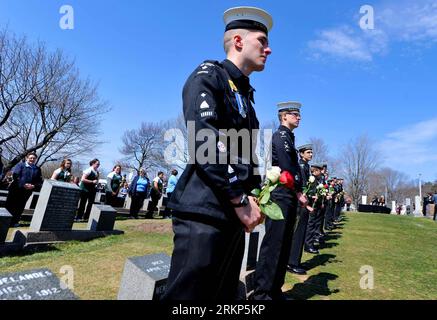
<point>281,127</point>
<point>241,81</point>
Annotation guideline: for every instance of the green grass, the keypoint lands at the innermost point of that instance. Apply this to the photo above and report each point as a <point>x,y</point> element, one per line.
<point>401,250</point>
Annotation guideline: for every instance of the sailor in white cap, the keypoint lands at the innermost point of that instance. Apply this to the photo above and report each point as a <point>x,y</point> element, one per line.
<point>211,203</point>
<point>294,262</point>
<point>275,248</point>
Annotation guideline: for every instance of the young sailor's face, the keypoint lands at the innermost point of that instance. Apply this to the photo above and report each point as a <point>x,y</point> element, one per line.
<point>256,49</point>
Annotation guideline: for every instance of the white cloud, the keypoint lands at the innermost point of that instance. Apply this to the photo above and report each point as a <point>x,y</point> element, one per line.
<point>410,21</point>
<point>404,21</point>
<point>344,42</point>
<point>413,145</point>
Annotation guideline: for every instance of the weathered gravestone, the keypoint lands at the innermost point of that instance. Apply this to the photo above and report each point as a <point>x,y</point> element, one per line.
<point>5,221</point>
<point>417,206</point>
<point>250,258</point>
<point>40,284</point>
<point>145,278</point>
<point>102,218</point>
<point>393,207</point>
<point>56,207</point>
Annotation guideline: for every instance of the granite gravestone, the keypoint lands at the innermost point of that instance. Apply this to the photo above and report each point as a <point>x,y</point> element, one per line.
<point>5,221</point>
<point>56,207</point>
<point>40,284</point>
<point>250,259</point>
<point>102,218</point>
<point>144,278</point>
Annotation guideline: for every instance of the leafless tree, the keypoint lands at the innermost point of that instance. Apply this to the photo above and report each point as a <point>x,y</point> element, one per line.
<point>176,140</point>
<point>144,148</point>
<point>359,161</point>
<point>55,113</point>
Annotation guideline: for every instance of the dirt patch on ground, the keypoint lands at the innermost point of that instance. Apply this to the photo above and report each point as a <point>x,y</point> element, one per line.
<point>155,227</point>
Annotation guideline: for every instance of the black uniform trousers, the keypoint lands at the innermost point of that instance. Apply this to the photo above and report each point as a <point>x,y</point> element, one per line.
<point>312,228</point>
<point>206,259</point>
<point>329,220</point>
<point>16,201</point>
<point>137,201</point>
<point>275,251</point>
<point>321,222</point>
<point>86,200</point>
<point>299,237</point>
<point>338,207</point>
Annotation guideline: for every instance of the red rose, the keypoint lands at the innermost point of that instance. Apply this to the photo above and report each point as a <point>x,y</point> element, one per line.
<point>287,179</point>
<point>326,186</point>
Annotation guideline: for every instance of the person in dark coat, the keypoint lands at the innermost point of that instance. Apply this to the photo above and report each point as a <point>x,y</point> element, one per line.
<point>211,204</point>
<point>276,245</point>
<point>27,178</point>
<point>138,190</point>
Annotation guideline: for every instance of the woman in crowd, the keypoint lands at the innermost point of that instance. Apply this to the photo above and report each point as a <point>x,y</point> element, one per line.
<point>27,178</point>
<point>155,194</point>
<point>88,183</point>
<point>63,173</point>
<point>138,192</point>
<point>113,183</point>
<point>172,181</point>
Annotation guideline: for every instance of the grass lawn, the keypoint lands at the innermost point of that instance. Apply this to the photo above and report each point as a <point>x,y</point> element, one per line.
<point>401,250</point>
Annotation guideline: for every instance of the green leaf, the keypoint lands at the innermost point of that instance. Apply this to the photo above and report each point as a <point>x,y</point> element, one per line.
<point>265,197</point>
<point>273,211</point>
<point>256,192</point>
<point>272,188</point>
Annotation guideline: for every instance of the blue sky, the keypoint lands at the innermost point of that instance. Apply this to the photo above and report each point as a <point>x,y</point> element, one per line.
<point>351,81</point>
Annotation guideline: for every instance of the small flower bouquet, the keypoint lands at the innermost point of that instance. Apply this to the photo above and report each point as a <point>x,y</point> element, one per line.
<point>274,178</point>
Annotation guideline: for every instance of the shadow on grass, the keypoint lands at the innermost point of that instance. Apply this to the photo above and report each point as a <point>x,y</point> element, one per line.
<point>31,250</point>
<point>317,285</point>
<point>319,260</point>
<point>333,236</point>
<point>328,245</point>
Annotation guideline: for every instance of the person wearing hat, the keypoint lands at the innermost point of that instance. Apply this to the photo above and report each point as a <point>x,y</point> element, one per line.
<point>211,203</point>
<point>339,200</point>
<point>312,234</point>
<point>294,262</point>
<point>275,248</point>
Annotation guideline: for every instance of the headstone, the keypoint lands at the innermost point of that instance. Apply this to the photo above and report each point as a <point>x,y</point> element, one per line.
<point>144,278</point>
<point>128,202</point>
<point>393,207</point>
<point>32,201</point>
<point>40,284</point>
<point>250,258</point>
<point>56,207</point>
<point>364,200</point>
<point>5,221</point>
<point>102,218</point>
<point>408,202</point>
<point>418,206</point>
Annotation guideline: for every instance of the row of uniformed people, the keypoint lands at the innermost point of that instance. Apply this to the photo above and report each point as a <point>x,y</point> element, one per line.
<point>212,203</point>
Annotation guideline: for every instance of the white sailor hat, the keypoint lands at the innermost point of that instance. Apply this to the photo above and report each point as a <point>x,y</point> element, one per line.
<point>247,18</point>
<point>305,147</point>
<point>289,106</point>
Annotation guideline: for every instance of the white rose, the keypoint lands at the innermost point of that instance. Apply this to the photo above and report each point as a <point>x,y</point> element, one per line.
<point>320,186</point>
<point>273,174</point>
<point>312,179</point>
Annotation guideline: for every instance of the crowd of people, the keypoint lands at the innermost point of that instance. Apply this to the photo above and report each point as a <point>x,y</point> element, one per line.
<point>26,178</point>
